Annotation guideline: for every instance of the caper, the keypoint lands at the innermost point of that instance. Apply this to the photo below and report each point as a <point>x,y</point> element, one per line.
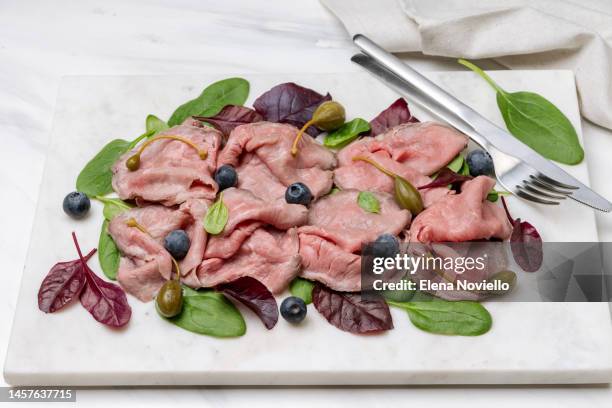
<point>329,115</point>
<point>169,300</point>
<point>133,163</point>
<point>508,277</point>
<point>407,196</point>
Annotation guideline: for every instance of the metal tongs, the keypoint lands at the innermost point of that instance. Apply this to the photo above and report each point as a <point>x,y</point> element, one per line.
<point>518,168</point>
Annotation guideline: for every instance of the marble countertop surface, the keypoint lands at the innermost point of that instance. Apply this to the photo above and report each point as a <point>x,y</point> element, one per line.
<point>42,41</point>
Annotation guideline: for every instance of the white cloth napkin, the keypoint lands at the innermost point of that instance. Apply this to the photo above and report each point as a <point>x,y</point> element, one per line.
<point>519,34</point>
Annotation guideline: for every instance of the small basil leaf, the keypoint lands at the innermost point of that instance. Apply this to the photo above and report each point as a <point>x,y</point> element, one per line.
<point>230,91</point>
<point>368,202</point>
<point>463,318</point>
<point>216,217</point>
<point>537,122</point>
<point>108,253</point>
<point>210,313</point>
<point>155,125</point>
<point>302,288</point>
<point>346,133</point>
<point>493,196</point>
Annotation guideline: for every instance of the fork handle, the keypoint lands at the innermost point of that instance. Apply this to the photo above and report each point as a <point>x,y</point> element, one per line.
<point>416,80</point>
<point>404,88</point>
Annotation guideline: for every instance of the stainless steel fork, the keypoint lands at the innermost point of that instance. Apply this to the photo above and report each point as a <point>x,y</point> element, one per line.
<point>518,168</point>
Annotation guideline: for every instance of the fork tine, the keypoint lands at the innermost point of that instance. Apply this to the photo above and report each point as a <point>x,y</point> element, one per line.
<point>548,187</point>
<point>523,194</point>
<point>534,190</point>
<point>555,182</point>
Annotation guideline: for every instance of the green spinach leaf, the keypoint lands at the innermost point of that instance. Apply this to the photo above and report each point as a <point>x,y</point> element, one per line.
<point>113,206</point>
<point>346,133</point>
<point>457,163</point>
<point>216,217</point>
<point>96,177</point>
<point>230,91</point>
<point>368,202</point>
<point>210,313</point>
<point>464,318</point>
<point>399,295</point>
<point>155,125</point>
<point>302,288</point>
<point>108,253</point>
<point>465,169</point>
<point>494,195</point>
<point>536,121</point>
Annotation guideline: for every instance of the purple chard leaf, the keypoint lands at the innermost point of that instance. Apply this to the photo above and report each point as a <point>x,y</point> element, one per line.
<point>445,177</point>
<point>254,295</point>
<point>290,103</point>
<point>62,285</point>
<point>105,301</point>
<point>396,114</point>
<point>525,243</point>
<point>351,312</point>
<point>231,117</point>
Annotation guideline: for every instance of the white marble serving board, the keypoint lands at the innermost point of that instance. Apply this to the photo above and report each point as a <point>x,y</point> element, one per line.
<point>528,343</point>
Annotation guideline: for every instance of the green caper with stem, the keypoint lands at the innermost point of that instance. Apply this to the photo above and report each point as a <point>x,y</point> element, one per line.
<point>169,300</point>
<point>329,115</point>
<point>406,195</point>
<point>133,162</point>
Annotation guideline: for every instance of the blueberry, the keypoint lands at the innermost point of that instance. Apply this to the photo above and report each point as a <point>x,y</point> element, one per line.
<point>76,204</point>
<point>386,246</point>
<point>177,243</point>
<point>226,177</point>
<point>479,162</point>
<point>298,193</point>
<point>293,309</point>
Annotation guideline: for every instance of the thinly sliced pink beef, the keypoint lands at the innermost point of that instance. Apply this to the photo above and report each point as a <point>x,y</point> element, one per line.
<point>325,262</point>
<point>337,228</point>
<point>246,213</point>
<point>171,171</point>
<point>256,177</point>
<point>261,153</point>
<point>425,147</point>
<point>411,150</point>
<point>268,255</point>
<point>145,264</point>
<point>197,234</point>
<point>467,216</point>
